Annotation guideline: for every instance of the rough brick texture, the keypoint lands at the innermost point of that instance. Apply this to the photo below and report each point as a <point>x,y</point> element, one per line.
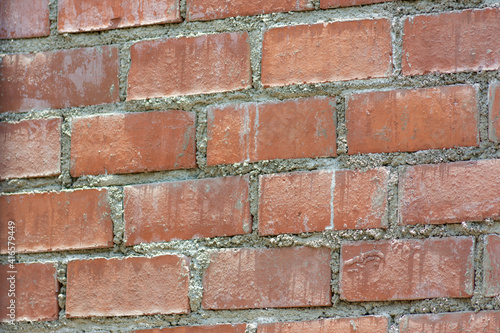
<point>265,278</point>
<point>30,148</point>
<point>411,120</point>
<point>133,142</point>
<point>35,289</point>
<point>491,266</point>
<point>157,285</point>
<point>24,18</point>
<point>368,324</point>
<point>275,130</point>
<point>450,192</point>
<point>459,322</point>
<point>55,221</point>
<point>59,79</point>
<point>494,116</point>
<point>452,42</point>
<point>237,328</point>
<point>202,10</point>
<point>75,15</point>
<point>187,209</point>
<point>341,51</point>
<point>321,200</point>
<point>346,3</point>
<point>407,269</point>
<point>189,65</point>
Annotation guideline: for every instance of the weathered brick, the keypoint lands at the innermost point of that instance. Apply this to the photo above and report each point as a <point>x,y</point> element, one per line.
<point>452,42</point>
<point>450,192</point>
<point>252,132</point>
<point>319,200</point>
<point>460,322</point>
<point>494,116</point>
<point>235,328</point>
<point>263,278</point>
<point>59,79</point>
<point>133,142</point>
<point>324,4</point>
<point>411,120</point>
<point>127,287</point>
<point>368,324</point>
<point>91,15</point>
<point>203,10</point>
<point>491,267</point>
<point>340,50</point>
<point>36,288</point>
<point>187,209</point>
<point>30,148</point>
<point>56,221</point>
<point>189,66</point>
<point>407,269</point>
<point>24,18</point>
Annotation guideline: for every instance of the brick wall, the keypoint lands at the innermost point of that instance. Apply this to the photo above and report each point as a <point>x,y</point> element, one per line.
<point>250,166</point>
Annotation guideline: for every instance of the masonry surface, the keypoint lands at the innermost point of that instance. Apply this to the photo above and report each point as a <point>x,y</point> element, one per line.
<point>250,167</point>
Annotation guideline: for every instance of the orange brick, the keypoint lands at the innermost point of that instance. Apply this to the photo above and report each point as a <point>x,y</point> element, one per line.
<point>450,192</point>
<point>411,120</point>
<point>56,221</point>
<point>237,328</point>
<point>407,269</point>
<point>91,15</point>
<point>59,79</point>
<point>324,4</point>
<point>30,148</point>
<point>127,287</point>
<point>491,267</point>
<point>267,278</point>
<point>341,51</point>
<point>187,209</point>
<point>24,18</point>
<point>35,288</point>
<point>133,142</point>
<point>368,324</point>
<point>252,132</point>
<point>189,66</point>
<point>459,322</point>
<point>494,116</point>
<point>452,42</point>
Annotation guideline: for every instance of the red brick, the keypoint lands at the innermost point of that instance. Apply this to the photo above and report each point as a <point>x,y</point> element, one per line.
<point>189,66</point>
<point>30,148</point>
<point>407,269</point>
<point>187,209</point>
<point>252,132</point>
<point>324,4</point>
<point>459,322</point>
<point>24,18</point>
<point>235,328</point>
<point>56,221</point>
<point>368,324</point>
<point>139,285</point>
<point>59,79</point>
<point>91,15</point>
<point>411,120</point>
<point>303,201</point>
<point>267,278</point>
<point>452,42</point>
<point>35,289</point>
<point>494,117</point>
<point>450,193</point>
<point>128,143</point>
<point>492,266</point>
<point>203,10</point>
<point>341,51</point>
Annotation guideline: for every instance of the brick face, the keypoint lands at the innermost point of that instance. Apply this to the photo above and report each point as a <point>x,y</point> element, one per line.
<point>189,66</point>
<point>407,269</point>
<point>494,115</point>
<point>341,51</point>
<point>42,220</point>
<point>450,192</point>
<point>491,266</point>
<point>24,18</point>
<point>368,324</point>
<point>452,42</point>
<point>187,209</point>
<point>411,120</point>
<point>76,16</point>
<point>264,278</point>
<point>460,322</point>
<point>133,142</point>
<point>346,3</point>
<point>237,328</point>
<point>142,286</point>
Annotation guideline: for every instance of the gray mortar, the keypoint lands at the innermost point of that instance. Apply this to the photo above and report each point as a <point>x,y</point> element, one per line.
<point>198,249</point>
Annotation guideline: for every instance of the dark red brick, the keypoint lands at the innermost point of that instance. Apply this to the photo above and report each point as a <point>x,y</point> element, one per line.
<point>368,324</point>
<point>459,322</point>
<point>24,18</point>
